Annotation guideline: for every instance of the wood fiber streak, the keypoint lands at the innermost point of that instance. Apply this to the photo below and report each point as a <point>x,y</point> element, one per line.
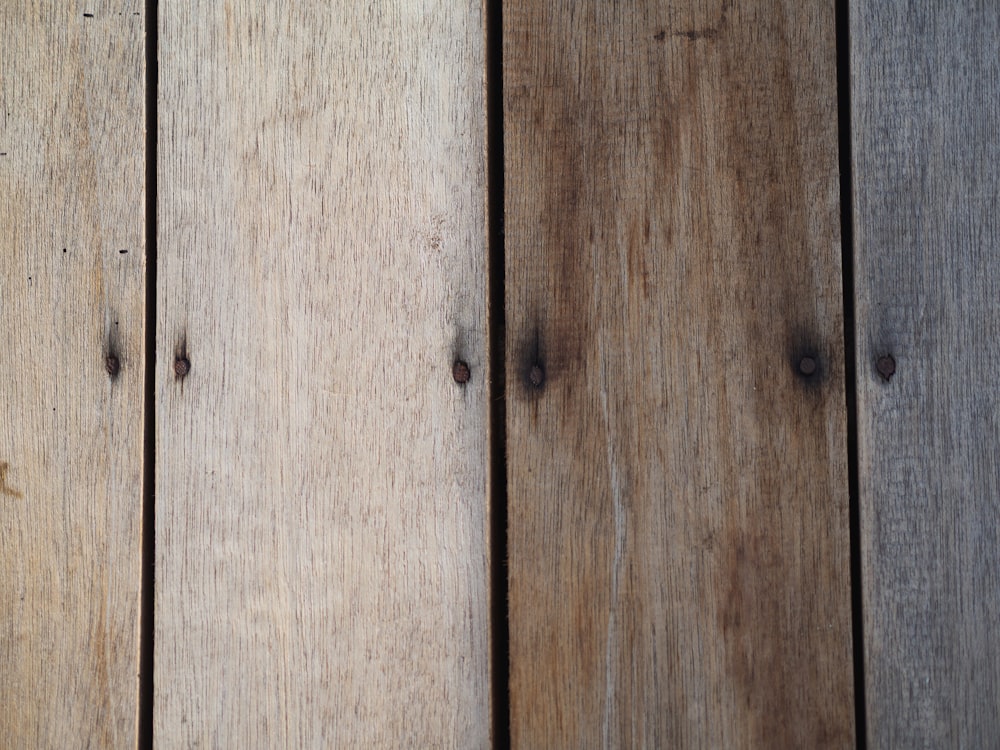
<point>678,491</point>
<point>72,291</point>
<point>925,92</point>
<point>321,576</point>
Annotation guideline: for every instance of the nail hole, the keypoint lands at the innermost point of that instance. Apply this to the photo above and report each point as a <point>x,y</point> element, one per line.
<point>808,366</point>
<point>112,365</point>
<point>182,366</point>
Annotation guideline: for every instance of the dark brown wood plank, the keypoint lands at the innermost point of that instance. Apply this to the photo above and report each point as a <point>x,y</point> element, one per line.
<point>926,145</point>
<point>679,555</point>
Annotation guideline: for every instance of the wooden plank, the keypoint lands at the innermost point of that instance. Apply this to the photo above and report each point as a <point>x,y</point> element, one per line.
<point>72,294</point>
<point>925,92</point>
<point>678,489</point>
<point>321,477</point>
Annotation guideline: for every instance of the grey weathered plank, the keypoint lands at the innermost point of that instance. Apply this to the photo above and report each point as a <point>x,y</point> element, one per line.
<point>679,557</point>
<point>925,89</point>
<point>72,295</point>
<point>321,478</point>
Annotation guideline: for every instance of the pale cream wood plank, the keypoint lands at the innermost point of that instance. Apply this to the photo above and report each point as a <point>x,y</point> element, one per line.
<point>72,293</point>
<point>678,488</point>
<point>926,148</point>
<point>321,478</point>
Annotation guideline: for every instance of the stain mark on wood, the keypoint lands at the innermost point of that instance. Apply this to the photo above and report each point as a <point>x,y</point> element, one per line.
<point>532,364</point>
<point>4,487</point>
<point>695,34</point>
<point>112,365</point>
<point>536,375</point>
<point>707,32</point>
<point>807,364</point>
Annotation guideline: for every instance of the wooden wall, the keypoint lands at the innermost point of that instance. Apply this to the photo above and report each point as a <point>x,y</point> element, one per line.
<point>698,448</point>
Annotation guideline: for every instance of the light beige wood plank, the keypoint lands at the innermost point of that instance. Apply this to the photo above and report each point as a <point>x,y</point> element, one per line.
<point>321,478</point>
<point>926,103</point>
<point>72,292</point>
<point>678,489</point>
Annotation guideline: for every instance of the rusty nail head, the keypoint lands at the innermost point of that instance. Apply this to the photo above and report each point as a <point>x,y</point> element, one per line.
<point>181,367</point>
<point>112,365</point>
<point>886,367</point>
<point>807,366</point>
<point>460,371</point>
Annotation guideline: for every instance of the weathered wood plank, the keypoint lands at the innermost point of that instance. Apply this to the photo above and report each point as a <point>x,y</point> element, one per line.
<point>925,102</point>
<point>321,478</point>
<point>72,294</point>
<point>678,490</point>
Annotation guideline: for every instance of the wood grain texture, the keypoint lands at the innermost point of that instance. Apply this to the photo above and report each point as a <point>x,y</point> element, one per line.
<point>321,478</point>
<point>72,281</point>
<point>679,555</point>
<point>926,145</point>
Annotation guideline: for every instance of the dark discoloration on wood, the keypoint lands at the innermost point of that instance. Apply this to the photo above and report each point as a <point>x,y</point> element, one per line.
<point>678,490</point>
<point>808,363</point>
<point>531,364</point>
<point>4,487</point>
<point>925,85</point>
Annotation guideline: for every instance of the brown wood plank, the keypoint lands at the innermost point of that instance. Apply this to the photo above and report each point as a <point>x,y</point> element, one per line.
<point>72,295</point>
<point>926,145</point>
<point>679,554</point>
<point>321,575</point>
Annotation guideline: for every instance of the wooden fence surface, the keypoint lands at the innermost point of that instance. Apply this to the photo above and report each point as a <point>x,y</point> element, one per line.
<point>321,477</point>
<point>72,306</point>
<point>678,486</point>
<point>926,131</point>
<point>732,479</point>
